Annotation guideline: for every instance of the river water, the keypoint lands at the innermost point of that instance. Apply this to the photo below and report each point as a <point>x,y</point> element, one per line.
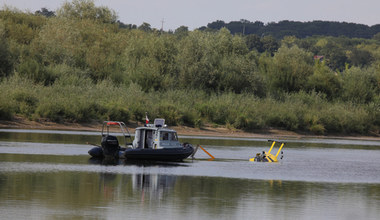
<point>49,175</point>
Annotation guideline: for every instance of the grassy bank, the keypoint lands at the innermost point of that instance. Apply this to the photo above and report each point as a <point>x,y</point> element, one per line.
<point>86,102</point>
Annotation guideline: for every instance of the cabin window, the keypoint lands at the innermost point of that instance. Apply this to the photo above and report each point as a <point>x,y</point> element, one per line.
<point>168,136</point>
<point>165,136</point>
<point>174,137</point>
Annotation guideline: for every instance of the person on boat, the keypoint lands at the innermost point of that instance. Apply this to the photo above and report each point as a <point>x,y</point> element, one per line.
<point>149,139</point>
<point>258,157</point>
<point>165,136</point>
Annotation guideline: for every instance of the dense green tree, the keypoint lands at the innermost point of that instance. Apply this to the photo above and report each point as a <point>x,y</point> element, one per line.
<point>31,69</point>
<point>298,29</point>
<point>151,61</point>
<point>219,24</point>
<point>376,36</point>
<point>196,62</point>
<point>5,55</point>
<point>289,41</point>
<point>324,80</point>
<point>126,26</point>
<point>269,44</point>
<point>145,27</point>
<point>45,12</point>
<point>253,42</point>
<point>334,54</point>
<point>83,44</point>
<point>21,27</point>
<point>359,86</point>
<point>86,9</point>
<point>216,62</point>
<point>290,69</point>
<point>359,57</point>
<point>182,31</point>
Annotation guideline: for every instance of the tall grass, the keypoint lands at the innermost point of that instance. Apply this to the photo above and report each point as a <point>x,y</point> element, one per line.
<point>86,102</point>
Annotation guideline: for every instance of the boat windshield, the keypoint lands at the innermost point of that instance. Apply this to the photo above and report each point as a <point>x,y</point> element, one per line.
<point>168,136</point>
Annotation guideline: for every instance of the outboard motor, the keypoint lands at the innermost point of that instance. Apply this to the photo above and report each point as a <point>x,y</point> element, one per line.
<point>110,146</point>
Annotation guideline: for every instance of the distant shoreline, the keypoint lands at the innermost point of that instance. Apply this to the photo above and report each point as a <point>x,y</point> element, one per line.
<point>21,123</point>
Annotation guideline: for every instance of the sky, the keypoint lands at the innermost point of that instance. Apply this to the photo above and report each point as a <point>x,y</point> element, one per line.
<point>196,13</point>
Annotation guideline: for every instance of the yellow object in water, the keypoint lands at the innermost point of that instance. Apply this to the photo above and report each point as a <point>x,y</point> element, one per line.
<point>267,156</point>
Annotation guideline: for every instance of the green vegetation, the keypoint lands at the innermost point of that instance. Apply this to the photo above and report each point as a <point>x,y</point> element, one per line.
<point>81,64</point>
<point>285,28</point>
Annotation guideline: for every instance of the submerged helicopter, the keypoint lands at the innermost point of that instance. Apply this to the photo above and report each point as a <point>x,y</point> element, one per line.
<point>267,156</point>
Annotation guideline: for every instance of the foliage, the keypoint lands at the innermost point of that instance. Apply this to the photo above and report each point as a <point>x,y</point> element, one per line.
<point>298,29</point>
<point>83,65</point>
<point>86,9</point>
<point>5,55</point>
<point>45,12</point>
<point>21,27</point>
<point>290,69</point>
<point>324,80</point>
<point>359,86</point>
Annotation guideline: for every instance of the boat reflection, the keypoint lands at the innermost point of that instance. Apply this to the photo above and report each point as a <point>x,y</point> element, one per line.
<point>105,161</point>
<point>140,163</point>
<point>142,187</point>
<point>152,186</point>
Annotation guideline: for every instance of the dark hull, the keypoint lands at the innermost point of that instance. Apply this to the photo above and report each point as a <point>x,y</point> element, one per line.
<point>174,154</point>
<point>168,154</point>
<point>96,152</point>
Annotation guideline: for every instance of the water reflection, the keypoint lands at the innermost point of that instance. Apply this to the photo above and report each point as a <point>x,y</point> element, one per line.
<point>152,186</point>
<point>37,182</point>
<point>138,163</point>
<point>81,137</point>
<point>48,137</point>
<point>145,195</point>
<point>143,185</point>
<point>105,161</point>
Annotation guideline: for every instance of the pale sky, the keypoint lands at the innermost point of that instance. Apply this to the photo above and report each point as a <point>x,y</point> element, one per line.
<point>197,13</point>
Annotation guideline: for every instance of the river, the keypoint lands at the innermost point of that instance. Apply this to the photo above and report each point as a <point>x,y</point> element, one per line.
<point>49,175</point>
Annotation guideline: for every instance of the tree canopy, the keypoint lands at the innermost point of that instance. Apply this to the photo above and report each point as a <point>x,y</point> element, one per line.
<point>83,65</point>
<point>298,29</point>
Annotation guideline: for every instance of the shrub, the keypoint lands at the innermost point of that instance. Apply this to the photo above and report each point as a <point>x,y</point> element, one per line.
<point>169,112</point>
<point>26,103</point>
<point>190,118</point>
<point>52,111</point>
<point>6,109</point>
<point>313,124</point>
<point>117,113</point>
<point>33,70</point>
<point>359,85</point>
<point>6,64</point>
<point>248,122</point>
<point>290,69</point>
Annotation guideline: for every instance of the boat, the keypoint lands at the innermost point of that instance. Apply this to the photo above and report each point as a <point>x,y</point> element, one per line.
<point>151,142</point>
<point>267,156</point>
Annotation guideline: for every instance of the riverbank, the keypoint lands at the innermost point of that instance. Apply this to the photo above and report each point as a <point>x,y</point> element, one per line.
<point>216,131</point>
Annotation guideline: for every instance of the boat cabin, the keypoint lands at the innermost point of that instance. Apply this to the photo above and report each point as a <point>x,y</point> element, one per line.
<point>155,136</point>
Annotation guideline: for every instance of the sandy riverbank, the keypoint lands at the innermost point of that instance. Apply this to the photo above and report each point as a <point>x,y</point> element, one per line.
<point>21,123</point>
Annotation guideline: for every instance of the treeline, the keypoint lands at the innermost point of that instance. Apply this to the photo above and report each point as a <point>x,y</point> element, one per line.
<point>296,28</point>
<point>80,65</point>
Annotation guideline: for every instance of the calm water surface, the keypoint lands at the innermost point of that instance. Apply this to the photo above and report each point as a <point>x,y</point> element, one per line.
<point>49,175</point>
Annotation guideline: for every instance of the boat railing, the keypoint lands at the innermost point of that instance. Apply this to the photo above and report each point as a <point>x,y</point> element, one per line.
<point>123,128</point>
